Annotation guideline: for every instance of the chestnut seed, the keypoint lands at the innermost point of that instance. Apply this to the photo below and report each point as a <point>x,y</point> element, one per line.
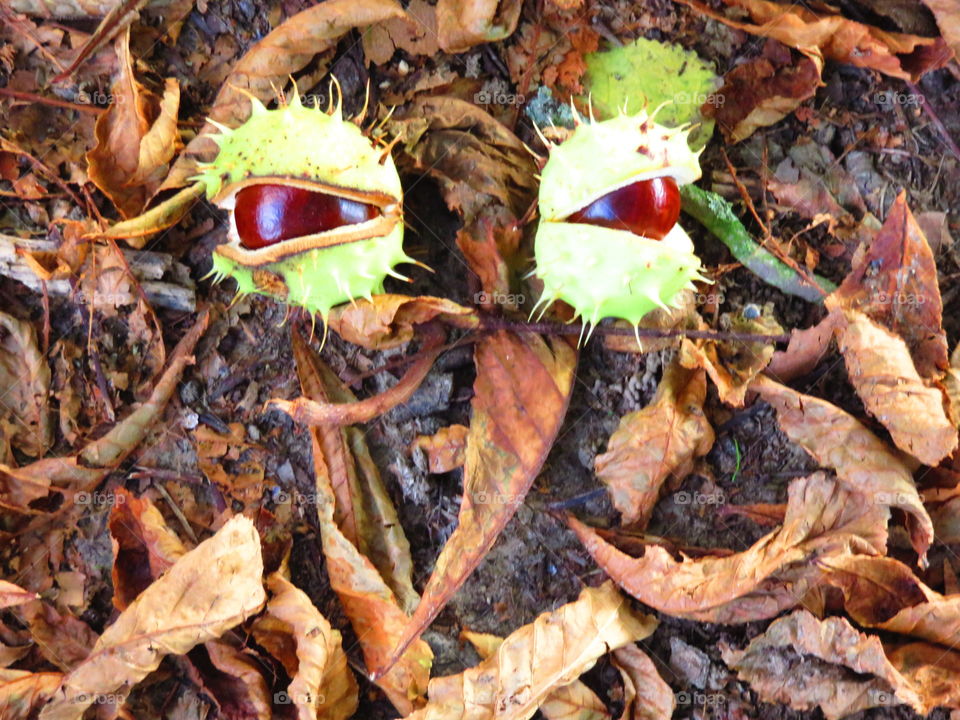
<point>269,214</point>
<point>649,208</point>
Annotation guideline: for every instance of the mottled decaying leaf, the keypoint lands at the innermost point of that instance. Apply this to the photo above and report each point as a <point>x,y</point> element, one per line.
<point>825,35</point>
<point>521,393</point>
<point>806,349</point>
<point>445,449</point>
<point>534,660</point>
<point>136,138</point>
<point>883,374</point>
<point>733,364</point>
<point>646,695</point>
<point>144,546</point>
<point>570,702</point>
<point>650,444</point>
<point>323,686</point>
<point>619,78</point>
<point>209,590</point>
<point>860,459</point>
<point>310,412</point>
<point>11,595</point>
<point>363,509</point>
<point>461,24</point>
<point>25,379</point>
<point>388,321</point>
<point>762,91</point>
<point>823,518</point>
<point>807,663</point>
<point>895,283</point>
<point>23,693</point>
<point>366,589</point>
<point>86,469</point>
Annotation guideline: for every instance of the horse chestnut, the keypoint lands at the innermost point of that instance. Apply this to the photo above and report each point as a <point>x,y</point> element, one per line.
<point>267,214</point>
<point>649,208</point>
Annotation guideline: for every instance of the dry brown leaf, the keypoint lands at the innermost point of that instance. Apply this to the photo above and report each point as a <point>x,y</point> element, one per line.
<point>536,659</point>
<point>23,693</point>
<point>651,444</point>
<point>310,412</point>
<point>763,91</point>
<point>388,321</point>
<point>571,702</point>
<point>883,374</point>
<point>951,387</point>
<point>931,670</point>
<point>804,351</point>
<point>11,595</point>
<point>895,283</point>
<point>144,546</point>
<point>860,459</point>
<point>416,33</point>
<point>136,137</point>
<point>808,663</point>
<point>445,449</point>
<point>521,393</point>
<point>367,595</point>
<point>461,24</point>
<point>646,695</point>
<point>212,588</point>
<point>834,37</point>
<point>947,14</point>
<point>323,686</point>
<point>25,379</point>
<point>241,688</point>
<point>823,518</point>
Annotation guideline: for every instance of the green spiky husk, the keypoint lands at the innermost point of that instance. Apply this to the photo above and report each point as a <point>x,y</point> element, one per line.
<point>604,273</point>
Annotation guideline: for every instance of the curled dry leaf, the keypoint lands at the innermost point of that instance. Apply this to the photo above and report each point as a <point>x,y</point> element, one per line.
<point>571,702</point>
<point>808,663</point>
<point>646,695</point>
<point>822,518</point>
<point>534,660</point>
<point>445,449</point>
<point>948,19</point>
<point>521,393</point>
<point>25,379</point>
<point>310,412</point>
<point>388,321</point>
<point>212,588</point>
<point>834,37</point>
<point>11,595</point>
<point>461,24</point>
<point>651,444</point>
<point>804,351</point>
<point>860,459</point>
<point>895,283</point>
<point>136,138</point>
<point>23,693</point>
<point>240,688</point>
<point>882,372</point>
<point>366,590</point>
<point>763,91</point>
<point>323,686</point>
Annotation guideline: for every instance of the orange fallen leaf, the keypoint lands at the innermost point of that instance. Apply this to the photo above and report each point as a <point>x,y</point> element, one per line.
<point>571,702</point>
<point>883,374</point>
<point>823,35</point>
<point>536,659</point>
<point>445,449</point>
<point>209,590</point>
<point>808,663</point>
<point>388,320</point>
<point>11,595</point>
<point>521,393</point>
<point>804,352</point>
<point>948,19</point>
<point>860,459</point>
<point>651,444</point>
<point>823,518</point>
<point>23,693</point>
<point>646,695</point>
<point>323,686</point>
<point>463,24</point>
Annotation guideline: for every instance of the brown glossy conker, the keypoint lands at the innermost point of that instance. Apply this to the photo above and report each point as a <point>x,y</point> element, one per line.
<point>649,208</point>
<point>267,214</point>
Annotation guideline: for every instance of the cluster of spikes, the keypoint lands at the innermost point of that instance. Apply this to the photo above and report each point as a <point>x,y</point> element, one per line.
<point>610,271</point>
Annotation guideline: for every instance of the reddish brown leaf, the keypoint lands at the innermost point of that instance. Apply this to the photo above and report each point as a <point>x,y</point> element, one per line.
<point>947,14</point>
<point>651,444</point>
<point>445,449</point>
<point>521,393</point>
<point>881,370</point>
<point>11,595</point>
<point>646,695</point>
<point>860,459</point>
<point>389,320</point>
<point>895,283</point>
<point>804,352</point>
